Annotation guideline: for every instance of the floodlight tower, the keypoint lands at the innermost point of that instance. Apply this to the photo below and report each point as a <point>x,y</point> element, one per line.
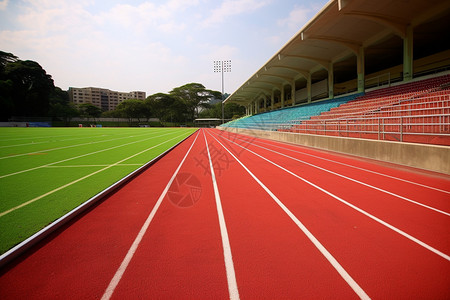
<point>221,66</point>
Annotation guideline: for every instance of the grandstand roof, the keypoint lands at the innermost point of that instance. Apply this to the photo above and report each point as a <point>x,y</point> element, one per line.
<point>336,34</point>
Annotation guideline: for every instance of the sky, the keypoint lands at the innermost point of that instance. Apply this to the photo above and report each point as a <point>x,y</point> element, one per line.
<point>152,46</point>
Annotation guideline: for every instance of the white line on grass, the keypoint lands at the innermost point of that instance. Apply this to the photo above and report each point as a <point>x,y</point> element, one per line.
<point>32,137</point>
<point>352,179</point>
<point>87,166</point>
<point>80,179</point>
<point>347,165</point>
<point>49,141</point>
<point>83,155</point>
<point>336,265</point>
<point>66,147</point>
<point>229,266</point>
<point>406,235</point>
<point>123,266</point>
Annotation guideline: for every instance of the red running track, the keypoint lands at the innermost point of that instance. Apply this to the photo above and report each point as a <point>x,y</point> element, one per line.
<point>270,220</point>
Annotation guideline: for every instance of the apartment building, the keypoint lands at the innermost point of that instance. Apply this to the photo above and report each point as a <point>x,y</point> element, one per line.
<point>102,98</point>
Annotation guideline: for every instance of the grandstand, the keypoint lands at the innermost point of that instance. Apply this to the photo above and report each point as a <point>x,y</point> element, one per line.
<point>284,118</point>
<point>417,111</point>
<point>359,70</point>
<point>412,112</point>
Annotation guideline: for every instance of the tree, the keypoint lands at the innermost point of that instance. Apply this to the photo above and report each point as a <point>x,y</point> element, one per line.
<point>89,110</point>
<point>6,58</point>
<point>132,109</point>
<point>147,112</point>
<point>213,111</point>
<point>6,99</point>
<point>194,96</point>
<point>31,88</point>
<point>231,111</point>
<point>6,87</point>
<point>27,90</point>
<point>166,107</point>
<point>60,106</point>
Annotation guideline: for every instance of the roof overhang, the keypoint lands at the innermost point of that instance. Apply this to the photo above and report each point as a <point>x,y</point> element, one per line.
<point>335,34</point>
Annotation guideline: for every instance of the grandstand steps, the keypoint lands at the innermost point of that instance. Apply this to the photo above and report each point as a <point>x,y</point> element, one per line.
<point>417,111</point>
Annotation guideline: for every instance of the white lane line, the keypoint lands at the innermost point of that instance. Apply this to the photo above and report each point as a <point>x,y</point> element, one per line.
<point>406,235</point>
<point>32,137</point>
<point>70,146</point>
<point>229,266</point>
<point>87,166</point>
<point>83,155</point>
<point>123,266</point>
<point>48,141</point>
<point>337,266</point>
<point>80,179</point>
<point>354,180</point>
<point>347,165</point>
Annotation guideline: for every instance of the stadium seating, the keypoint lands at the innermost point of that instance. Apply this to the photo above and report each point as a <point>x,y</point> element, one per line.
<point>284,119</point>
<point>417,111</point>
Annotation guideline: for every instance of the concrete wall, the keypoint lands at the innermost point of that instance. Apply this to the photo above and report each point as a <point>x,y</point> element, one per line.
<point>428,157</point>
<point>13,124</point>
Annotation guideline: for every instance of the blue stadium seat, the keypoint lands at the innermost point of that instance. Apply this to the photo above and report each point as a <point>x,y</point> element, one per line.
<point>285,118</point>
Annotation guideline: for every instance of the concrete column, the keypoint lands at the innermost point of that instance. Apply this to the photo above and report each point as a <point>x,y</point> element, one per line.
<point>308,87</point>
<point>256,106</point>
<point>360,69</point>
<point>408,54</point>
<point>330,81</point>
<point>272,99</point>
<point>265,102</point>
<point>293,92</point>
<point>282,95</point>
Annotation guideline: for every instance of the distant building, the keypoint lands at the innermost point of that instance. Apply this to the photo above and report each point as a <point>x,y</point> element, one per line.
<point>102,98</point>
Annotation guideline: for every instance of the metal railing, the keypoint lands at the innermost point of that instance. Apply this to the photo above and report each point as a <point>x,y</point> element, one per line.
<point>360,108</point>
<point>394,127</point>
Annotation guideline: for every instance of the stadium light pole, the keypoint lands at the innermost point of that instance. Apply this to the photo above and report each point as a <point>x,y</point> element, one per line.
<point>221,66</point>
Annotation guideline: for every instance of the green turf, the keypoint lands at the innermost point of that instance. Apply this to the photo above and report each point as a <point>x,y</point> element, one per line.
<point>57,169</point>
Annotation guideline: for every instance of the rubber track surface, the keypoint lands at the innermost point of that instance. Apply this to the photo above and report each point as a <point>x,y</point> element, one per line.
<point>300,223</point>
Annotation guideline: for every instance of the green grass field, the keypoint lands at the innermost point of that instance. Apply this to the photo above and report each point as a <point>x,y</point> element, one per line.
<point>46,172</point>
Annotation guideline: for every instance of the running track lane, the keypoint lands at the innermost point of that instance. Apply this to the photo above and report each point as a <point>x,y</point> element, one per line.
<point>384,263</point>
<point>429,222</point>
<point>181,255</point>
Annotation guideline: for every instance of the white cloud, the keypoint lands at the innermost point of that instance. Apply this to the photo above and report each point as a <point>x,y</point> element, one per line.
<point>147,15</point>
<point>274,40</point>
<point>225,52</point>
<point>176,5</point>
<point>130,16</point>
<point>296,19</point>
<point>233,7</point>
<point>289,25</point>
<point>171,27</point>
<point>3,4</point>
<point>48,17</point>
